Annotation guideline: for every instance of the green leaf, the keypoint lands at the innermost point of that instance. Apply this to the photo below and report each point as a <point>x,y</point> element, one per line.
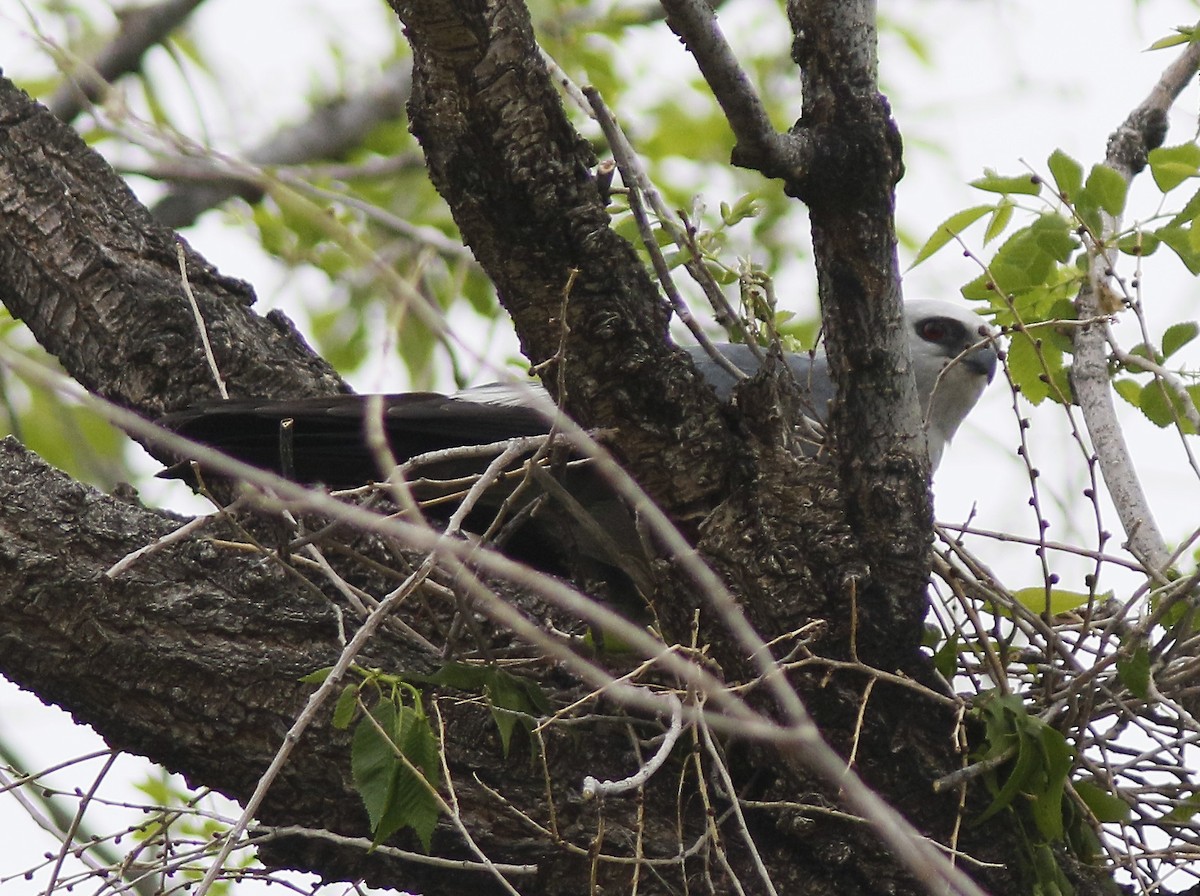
<point>1067,174</point>
<point>1139,244</point>
<point>347,704</point>
<point>1001,715</point>
<point>412,803</point>
<point>415,807</point>
<point>1189,212</point>
<point>1037,367</point>
<point>949,229</point>
<point>1185,811</point>
<point>317,677</point>
<point>1173,40</point>
<point>1000,220</point>
<point>1030,258</point>
<point>1060,601</point>
<point>746,206</point>
<point>1026,184</point>
<point>1103,803</point>
<point>374,762</point>
<point>1172,165</point>
<point>392,793</point>
<point>1130,390</point>
<point>1178,240</point>
<point>1051,780</point>
<point>1087,210</point>
<point>1178,335</point>
<point>511,699</point>
<point>945,660</point>
<point>1039,771</point>
<point>420,744</point>
<point>1108,188</point>
<point>1053,235</point>
<point>1163,407</point>
<point>1134,671</point>
<point>461,676</point>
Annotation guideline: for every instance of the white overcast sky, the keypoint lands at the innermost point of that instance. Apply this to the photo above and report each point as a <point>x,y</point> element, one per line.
<point>1010,81</point>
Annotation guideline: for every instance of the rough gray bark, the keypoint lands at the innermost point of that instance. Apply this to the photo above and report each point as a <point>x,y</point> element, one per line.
<point>83,263</point>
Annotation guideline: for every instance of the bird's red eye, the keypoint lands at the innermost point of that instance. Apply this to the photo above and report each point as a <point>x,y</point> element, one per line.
<point>932,330</point>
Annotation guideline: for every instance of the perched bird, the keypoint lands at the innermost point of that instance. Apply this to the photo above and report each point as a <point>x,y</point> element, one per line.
<point>954,357</point>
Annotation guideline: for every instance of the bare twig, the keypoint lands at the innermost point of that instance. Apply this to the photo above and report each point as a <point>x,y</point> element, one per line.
<point>593,788</point>
<point>201,326</point>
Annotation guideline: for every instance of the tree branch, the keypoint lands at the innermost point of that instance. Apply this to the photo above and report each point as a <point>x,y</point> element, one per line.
<point>849,189</point>
<point>331,130</point>
<point>759,145</point>
<point>1143,130</point>
<point>140,29</point>
<point>483,102</point>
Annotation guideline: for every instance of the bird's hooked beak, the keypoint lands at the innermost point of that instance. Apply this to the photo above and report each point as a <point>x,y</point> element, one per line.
<point>982,357</point>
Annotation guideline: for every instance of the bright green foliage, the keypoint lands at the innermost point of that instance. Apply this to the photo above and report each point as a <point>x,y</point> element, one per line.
<point>1029,259</point>
<point>1184,241</point>
<point>1178,335</point>
<point>1032,785</point>
<point>1102,802</point>
<point>945,659</point>
<point>1027,184</point>
<point>1067,174</point>
<point>1160,402</point>
<point>1041,760</point>
<point>1031,279</point>
<point>1053,601</point>
<point>67,435</point>
<point>1170,166</point>
<point>1182,35</point>
<point>1133,669</point>
<point>1038,367</point>
<point>394,751</point>
<point>395,762</point>
<point>1107,188</point>
<point>950,228</point>
<point>1165,407</point>
<point>1185,810</point>
<point>184,816</point>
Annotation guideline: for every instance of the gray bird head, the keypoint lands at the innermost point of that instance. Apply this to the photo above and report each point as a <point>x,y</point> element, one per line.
<point>954,358</point>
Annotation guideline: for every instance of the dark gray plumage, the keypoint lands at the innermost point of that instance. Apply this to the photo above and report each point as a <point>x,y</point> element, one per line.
<point>953,360</point>
<point>952,354</point>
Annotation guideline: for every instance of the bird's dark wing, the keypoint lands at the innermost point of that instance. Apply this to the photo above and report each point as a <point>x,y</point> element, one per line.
<point>327,441</point>
<point>588,533</point>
